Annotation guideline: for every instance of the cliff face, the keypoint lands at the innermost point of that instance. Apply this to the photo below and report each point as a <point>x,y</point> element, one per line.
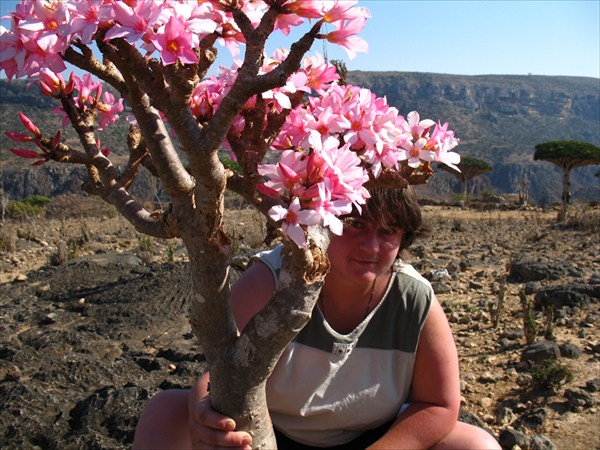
<point>498,118</point>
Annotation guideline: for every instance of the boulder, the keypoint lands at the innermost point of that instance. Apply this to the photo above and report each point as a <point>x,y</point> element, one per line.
<point>541,351</point>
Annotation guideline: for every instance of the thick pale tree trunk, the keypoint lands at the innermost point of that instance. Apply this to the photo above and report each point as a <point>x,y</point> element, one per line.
<point>240,363</point>
<point>566,192</point>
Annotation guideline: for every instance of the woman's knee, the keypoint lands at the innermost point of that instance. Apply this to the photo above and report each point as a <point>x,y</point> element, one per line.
<point>164,421</point>
<point>466,436</point>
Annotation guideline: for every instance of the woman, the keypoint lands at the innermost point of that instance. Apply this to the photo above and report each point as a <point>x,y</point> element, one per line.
<point>375,367</point>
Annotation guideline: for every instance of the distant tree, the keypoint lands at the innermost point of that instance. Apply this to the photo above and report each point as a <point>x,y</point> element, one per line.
<point>567,155</point>
<point>342,71</point>
<point>469,168</point>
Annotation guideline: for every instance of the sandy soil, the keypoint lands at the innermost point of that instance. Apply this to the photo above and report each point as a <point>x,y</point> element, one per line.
<point>87,336</point>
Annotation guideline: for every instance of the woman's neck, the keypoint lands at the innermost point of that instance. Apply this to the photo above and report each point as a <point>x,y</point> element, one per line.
<point>345,305</point>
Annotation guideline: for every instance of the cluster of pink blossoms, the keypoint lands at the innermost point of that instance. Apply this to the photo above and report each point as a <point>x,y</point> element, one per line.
<point>89,97</point>
<point>329,146</point>
<point>41,30</point>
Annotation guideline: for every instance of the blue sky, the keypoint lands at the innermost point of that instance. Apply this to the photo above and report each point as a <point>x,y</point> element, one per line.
<point>474,37</point>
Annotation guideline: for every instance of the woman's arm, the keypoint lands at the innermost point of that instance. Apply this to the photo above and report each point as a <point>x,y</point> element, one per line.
<point>251,292</point>
<point>435,391</point>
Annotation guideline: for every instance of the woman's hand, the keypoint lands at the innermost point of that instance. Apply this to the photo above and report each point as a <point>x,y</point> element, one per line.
<point>210,430</point>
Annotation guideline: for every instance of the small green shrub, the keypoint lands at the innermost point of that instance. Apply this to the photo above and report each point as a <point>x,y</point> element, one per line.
<point>27,207</point>
<point>530,326</point>
<point>487,194</point>
<point>145,243</point>
<point>549,375</point>
<point>459,198</point>
<point>170,253</point>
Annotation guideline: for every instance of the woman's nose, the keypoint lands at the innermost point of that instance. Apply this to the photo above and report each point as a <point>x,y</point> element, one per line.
<point>369,240</point>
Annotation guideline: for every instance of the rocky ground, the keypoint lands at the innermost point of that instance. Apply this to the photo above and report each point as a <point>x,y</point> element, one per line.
<point>94,322</point>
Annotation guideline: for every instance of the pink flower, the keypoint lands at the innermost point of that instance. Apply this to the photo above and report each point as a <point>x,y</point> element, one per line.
<point>310,9</point>
<point>345,36</point>
<point>415,152</point>
<point>29,126</point>
<point>48,25</point>
<point>53,84</point>
<point>174,43</point>
<point>324,123</point>
<point>109,110</point>
<point>344,10</point>
<point>18,137</point>
<point>89,89</point>
<point>25,153</point>
<point>415,126</point>
<point>132,23</point>
<point>293,218</point>
<point>319,72</point>
<point>12,53</point>
<point>85,17</point>
<point>346,173</point>
<point>329,209</point>
<point>284,176</point>
<point>285,22</point>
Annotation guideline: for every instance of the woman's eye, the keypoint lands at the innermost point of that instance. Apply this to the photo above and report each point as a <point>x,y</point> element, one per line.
<point>391,232</point>
<point>353,223</point>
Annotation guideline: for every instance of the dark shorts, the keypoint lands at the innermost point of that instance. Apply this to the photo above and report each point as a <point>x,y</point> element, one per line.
<point>361,442</point>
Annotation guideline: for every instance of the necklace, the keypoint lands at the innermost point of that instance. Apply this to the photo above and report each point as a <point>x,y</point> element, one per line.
<point>368,304</point>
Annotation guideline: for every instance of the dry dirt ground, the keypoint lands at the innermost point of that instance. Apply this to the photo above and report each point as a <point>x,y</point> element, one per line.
<point>93,320</point>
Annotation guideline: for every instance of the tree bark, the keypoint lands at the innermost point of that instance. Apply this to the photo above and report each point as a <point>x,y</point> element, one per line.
<point>566,193</point>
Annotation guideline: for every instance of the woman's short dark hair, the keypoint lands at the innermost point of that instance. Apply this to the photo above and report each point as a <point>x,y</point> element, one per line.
<point>398,206</point>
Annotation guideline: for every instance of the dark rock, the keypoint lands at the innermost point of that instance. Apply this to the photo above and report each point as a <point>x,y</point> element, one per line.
<point>574,272</point>
<point>593,385</point>
<point>452,267</point>
<point>541,442</point>
<point>541,351</point>
<point>148,363</point>
<point>440,287</point>
<point>177,356</point>
<point>559,297</point>
<point>579,398</point>
<point>509,438</point>
<point>532,270</point>
<point>475,285</point>
<point>533,420</point>
<point>9,371</point>
<point>569,350</point>
<point>513,335</point>
<point>532,287</point>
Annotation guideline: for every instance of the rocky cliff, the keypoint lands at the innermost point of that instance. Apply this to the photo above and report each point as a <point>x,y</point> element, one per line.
<point>498,118</point>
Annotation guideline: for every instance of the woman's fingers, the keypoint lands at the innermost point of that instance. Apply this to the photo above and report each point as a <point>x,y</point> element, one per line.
<point>209,429</point>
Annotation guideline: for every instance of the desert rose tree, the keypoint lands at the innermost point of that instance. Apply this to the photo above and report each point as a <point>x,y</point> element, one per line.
<point>330,141</point>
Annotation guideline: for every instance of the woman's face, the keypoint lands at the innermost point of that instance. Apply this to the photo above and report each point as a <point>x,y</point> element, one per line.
<point>365,250</point>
